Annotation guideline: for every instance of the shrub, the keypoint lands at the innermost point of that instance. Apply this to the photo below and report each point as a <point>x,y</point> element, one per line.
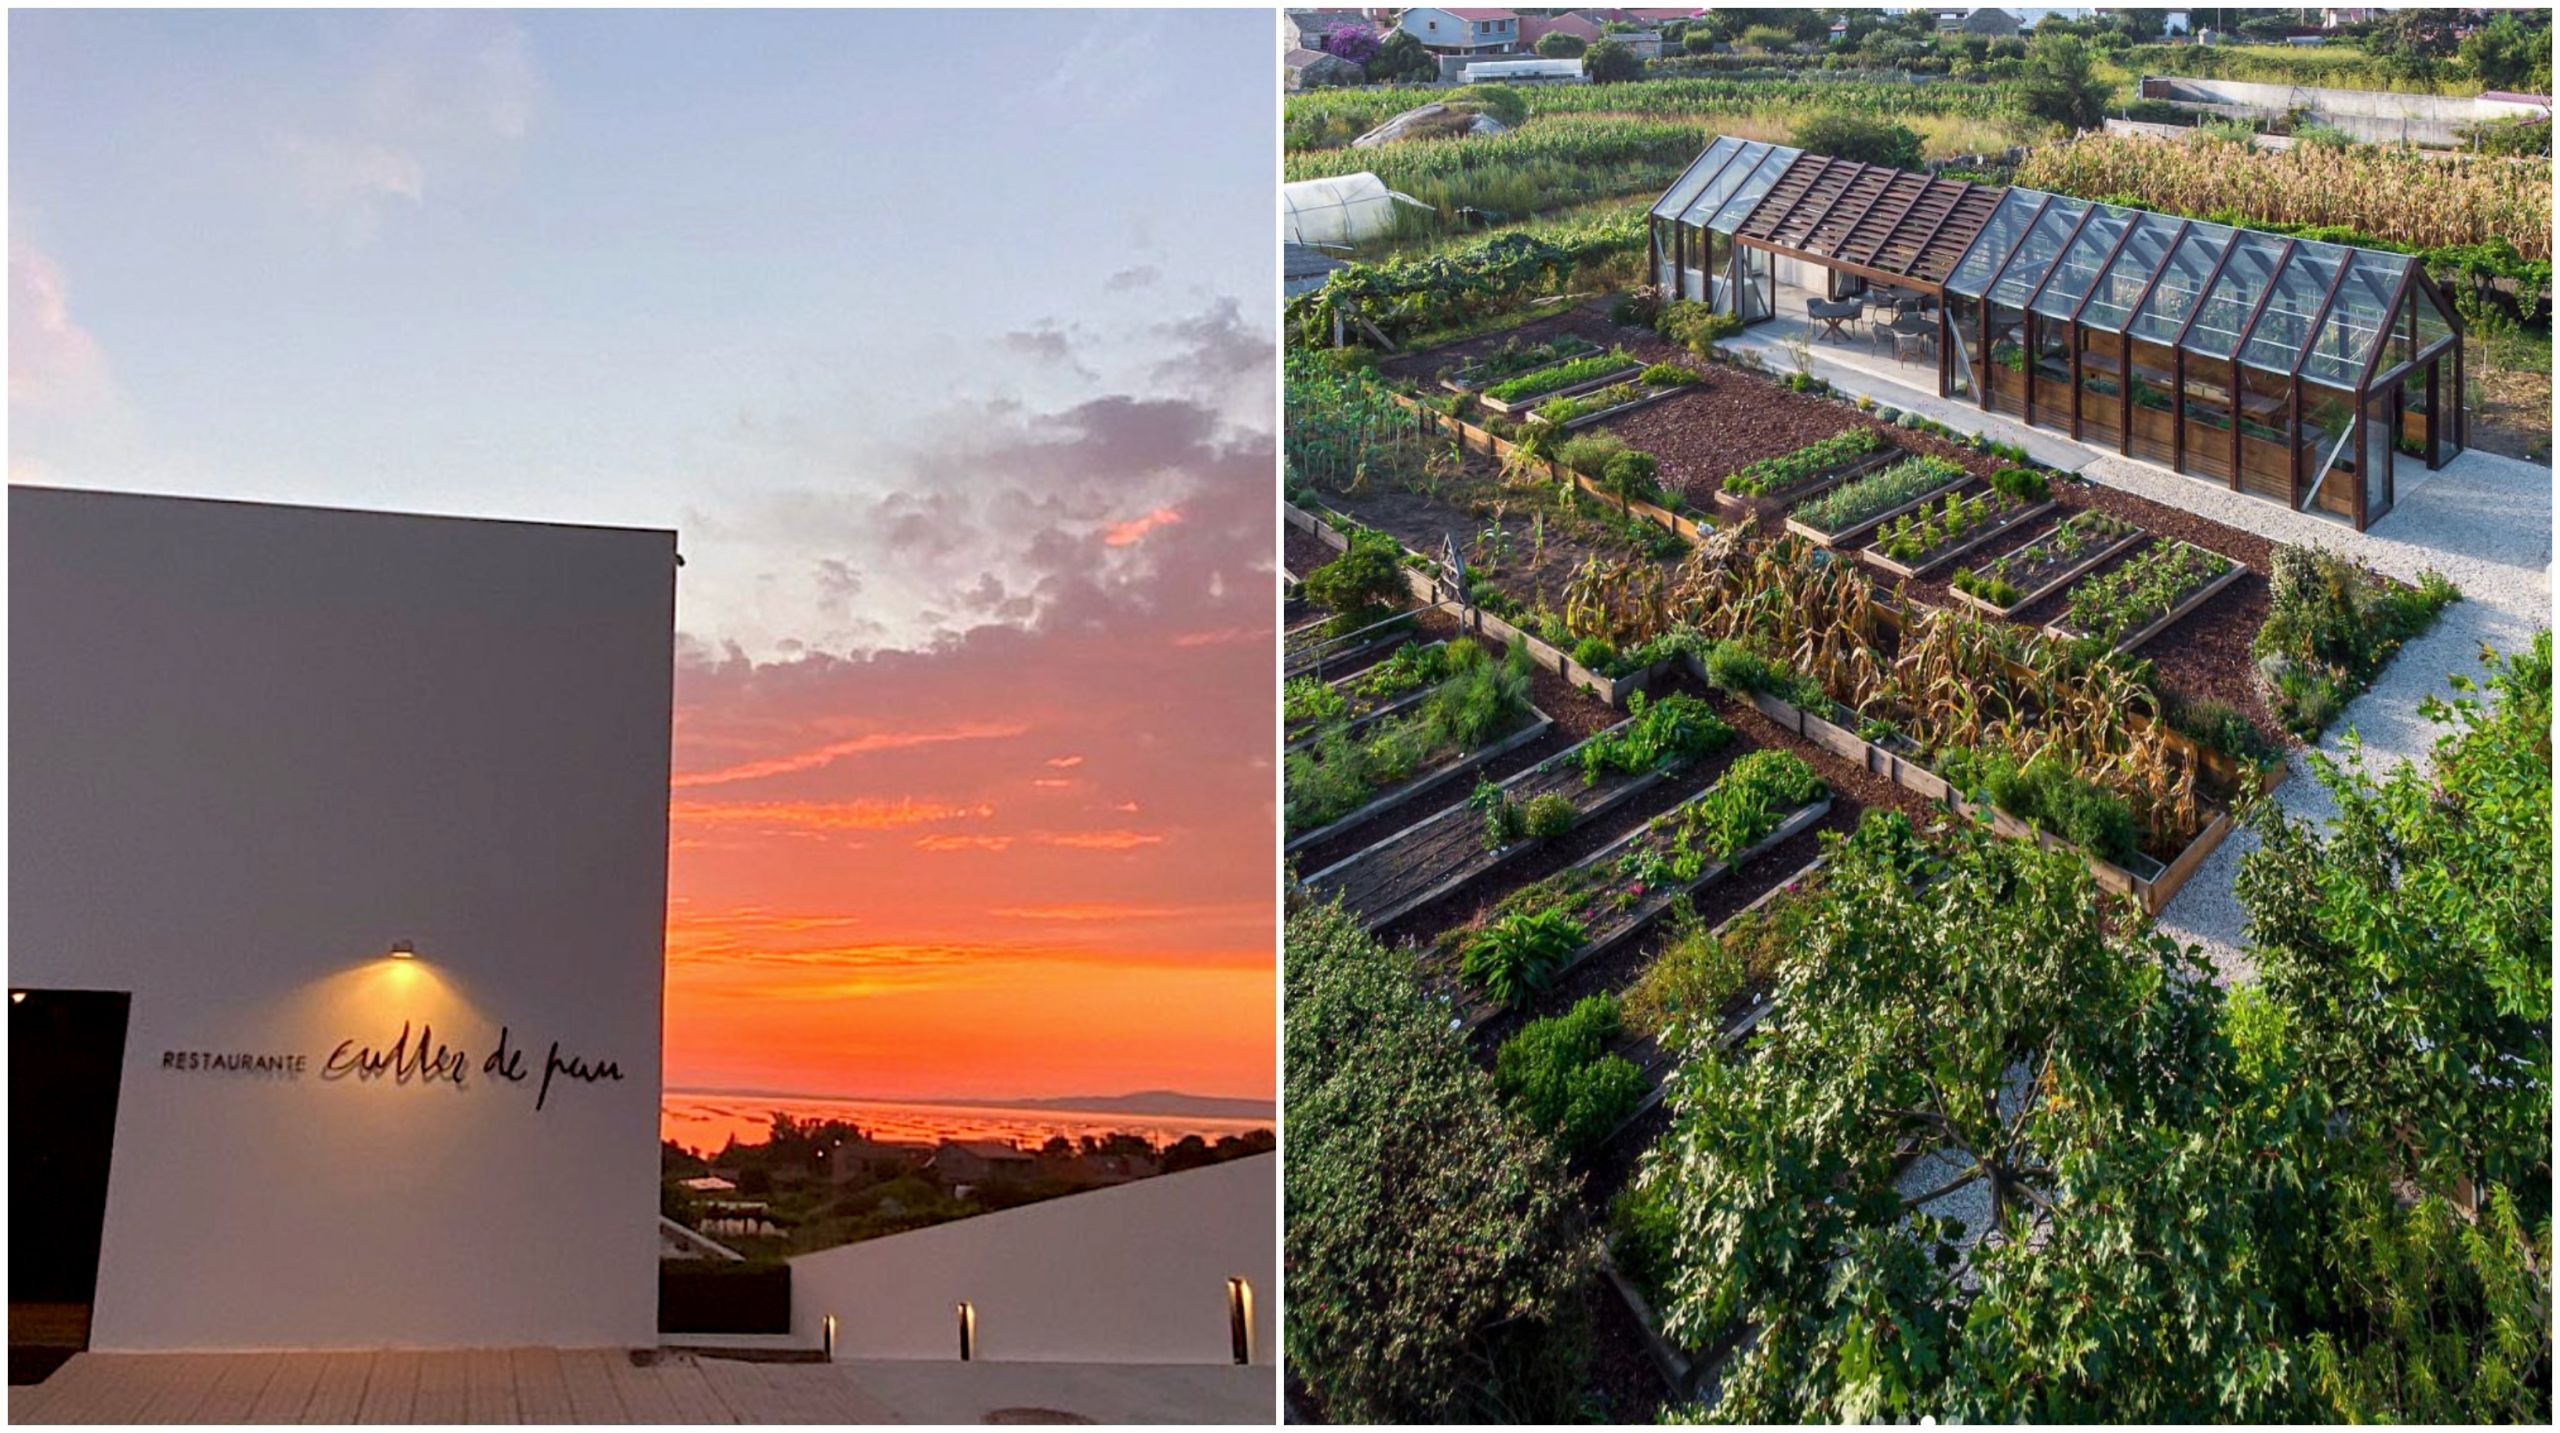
<point>1657,733</point>
<point>1630,475</point>
<point>1558,1074</point>
<point>1558,45</point>
<point>1594,653</point>
<point>2050,795</point>
<point>1514,958</point>
<point>1638,307</point>
<point>1667,375</point>
<point>1305,699</point>
<point>1692,978</point>
<point>1589,453</point>
<point>1546,817</point>
<point>1435,1246</point>
<point>1696,327</point>
<point>1362,585</point>
<point>2331,627</point>
<point>2025,484</point>
<point>1609,62</point>
<point>1869,139</point>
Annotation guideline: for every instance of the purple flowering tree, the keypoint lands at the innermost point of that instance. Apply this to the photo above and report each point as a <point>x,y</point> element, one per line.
<point>1353,41</point>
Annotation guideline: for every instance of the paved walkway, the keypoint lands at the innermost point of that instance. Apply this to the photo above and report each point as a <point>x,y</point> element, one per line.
<point>541,1385</point>
<point>2482,520</point>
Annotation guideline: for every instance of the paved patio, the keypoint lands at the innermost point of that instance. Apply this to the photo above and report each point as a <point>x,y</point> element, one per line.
<point>541,1385</point>
<point>2482,520</point>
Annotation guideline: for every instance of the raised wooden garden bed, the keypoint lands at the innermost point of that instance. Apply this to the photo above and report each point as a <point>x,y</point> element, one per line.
<point>1968,541</point>
<point>1849,535</point>
<point>1564,349</point>
<point>1645,399</point>
<point>1308,651</point>
<point>1424,781</point>
<point>1752,505</point>
<point>1528,403</point>
<point>2042,577</point>
<point>2186,603</point>
<point>1624,925</point>
<point>1361,711</point>
<point>1445,851</point>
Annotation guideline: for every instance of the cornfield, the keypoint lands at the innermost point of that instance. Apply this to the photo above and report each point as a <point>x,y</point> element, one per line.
<point>1343,433</point>
<point>2392,195</point>
<point>1953,679</point>
<point>1320,119</point>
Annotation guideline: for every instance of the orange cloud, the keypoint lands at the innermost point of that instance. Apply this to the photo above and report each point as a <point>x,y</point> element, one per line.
<point>963,843</point>
<point>1098,911</point>
<point>854,746</point>
<point>1218,635</point>
<point>861,815</point>
<point>1051,782</point>
<point>1121,534</point>
<point>1063,762</point>
<point>1099,840</point>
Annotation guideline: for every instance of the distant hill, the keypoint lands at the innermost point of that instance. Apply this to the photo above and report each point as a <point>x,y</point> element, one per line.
<point>1157,1104</point>
<point>1153,1102</point>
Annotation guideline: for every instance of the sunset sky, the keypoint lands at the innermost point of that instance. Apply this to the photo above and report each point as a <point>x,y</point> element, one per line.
<point>942,339</point>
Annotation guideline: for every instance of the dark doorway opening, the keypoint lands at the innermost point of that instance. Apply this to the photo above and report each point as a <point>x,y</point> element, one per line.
<point>66,1067</point>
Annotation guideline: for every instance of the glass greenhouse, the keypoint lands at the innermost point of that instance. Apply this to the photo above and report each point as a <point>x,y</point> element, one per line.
<point>2290,369</point>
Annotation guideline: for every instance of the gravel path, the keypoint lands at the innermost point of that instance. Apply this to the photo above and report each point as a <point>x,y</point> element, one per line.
<point>2482,520</point>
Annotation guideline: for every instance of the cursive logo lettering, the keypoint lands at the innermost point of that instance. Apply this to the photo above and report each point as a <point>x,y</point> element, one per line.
<point>504,1063</point>
<point>575,1069</point>
<point>426,1062</point>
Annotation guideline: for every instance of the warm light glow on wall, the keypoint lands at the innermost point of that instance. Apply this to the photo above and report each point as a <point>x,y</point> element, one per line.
<point>1240,1319</point>
<point>968,1331</point>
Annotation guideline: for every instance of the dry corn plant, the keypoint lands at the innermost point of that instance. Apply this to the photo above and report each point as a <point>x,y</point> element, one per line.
<point>1625,604</point>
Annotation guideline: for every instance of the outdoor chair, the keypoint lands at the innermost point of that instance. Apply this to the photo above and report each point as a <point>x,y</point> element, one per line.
<point>1831,314</point>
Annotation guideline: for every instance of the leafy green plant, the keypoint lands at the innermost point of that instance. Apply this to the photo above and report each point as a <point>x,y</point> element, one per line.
<point>1548,816</point>
<point>2048,794</point>
<point>1436,1248</point>
<point>2106,607</point>
<point>1558,1073</point>
<point>1748,802</point>
<point>1882,491</point>
<point>1503,823</point>
<point>2331,627</point>
<point>2003,580</point>
<point>1656,734</point>
<point>1517,955</point>
<point>1362,586</point>
<point>1310,699</point>
<point>2024,484</point>
<point>1562,375</point>
<point>1924,531</point>
<point>1667,375</point>
<point>1695,326</point>
<point>1788,470</point>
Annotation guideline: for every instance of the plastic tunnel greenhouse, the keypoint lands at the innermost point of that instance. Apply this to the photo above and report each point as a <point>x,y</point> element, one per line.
<point>2290,369</point>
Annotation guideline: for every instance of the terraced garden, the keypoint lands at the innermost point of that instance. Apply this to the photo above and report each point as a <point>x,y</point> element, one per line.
<point>1863,631</point>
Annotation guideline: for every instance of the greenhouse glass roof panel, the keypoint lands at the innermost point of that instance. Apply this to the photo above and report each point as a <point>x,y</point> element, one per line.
<point>1696,177</point>
<point>2276,341</point>
<point>2112,298</point>
<point>2077,271</point>
<point>1973,273</point>
<point>2051,233</point>
<point>2182,283</point>
<point>2357,318</point>
<point>1746,195</point>
<point>2245,277</point>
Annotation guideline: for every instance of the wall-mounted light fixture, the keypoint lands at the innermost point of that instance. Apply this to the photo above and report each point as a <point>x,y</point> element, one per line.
<point>827,1336</point>
<point>17,997</point>
<point>1240,1320</point>
<point>968,1331</point>
<point>403,950</point>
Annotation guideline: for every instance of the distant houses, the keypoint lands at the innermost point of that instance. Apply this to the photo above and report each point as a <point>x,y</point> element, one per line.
<point>1462,31</point>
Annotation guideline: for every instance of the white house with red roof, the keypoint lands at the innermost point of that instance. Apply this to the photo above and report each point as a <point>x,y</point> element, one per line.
<point>1463,31</point>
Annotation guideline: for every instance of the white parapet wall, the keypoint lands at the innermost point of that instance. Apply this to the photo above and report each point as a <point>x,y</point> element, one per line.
<point>251,748</point>
<point>1134,1274</point>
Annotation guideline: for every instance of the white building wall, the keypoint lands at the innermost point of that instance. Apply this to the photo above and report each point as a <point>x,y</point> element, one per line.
<point>1133,1274</point>
<point>250,747</point>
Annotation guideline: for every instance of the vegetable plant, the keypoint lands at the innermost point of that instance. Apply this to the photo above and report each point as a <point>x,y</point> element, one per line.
<point>1882,491</point>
